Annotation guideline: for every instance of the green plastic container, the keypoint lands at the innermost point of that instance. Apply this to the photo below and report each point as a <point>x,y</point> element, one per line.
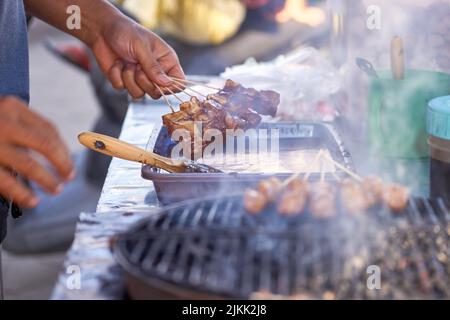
<point>398,112</point>
<point>397,125</point>
<point>438,126</point>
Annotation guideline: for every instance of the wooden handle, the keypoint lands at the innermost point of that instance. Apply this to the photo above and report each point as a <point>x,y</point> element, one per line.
<point>398,58</point>
<point>120,149</point>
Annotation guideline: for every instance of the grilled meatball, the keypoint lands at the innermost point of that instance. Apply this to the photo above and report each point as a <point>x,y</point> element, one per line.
<point>254,201</point>
<point>322,201</point>
<point>396,197</point>
<point>270,188</point>
<point>373,188</point>
<point>293,198</point>
<point>353,197</point>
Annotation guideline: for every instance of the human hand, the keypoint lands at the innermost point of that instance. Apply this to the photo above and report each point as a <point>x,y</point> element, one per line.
<point>136,59</point>
<point>22,131</point>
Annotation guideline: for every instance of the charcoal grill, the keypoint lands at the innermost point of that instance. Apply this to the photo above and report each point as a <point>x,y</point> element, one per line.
<point>213,249</point>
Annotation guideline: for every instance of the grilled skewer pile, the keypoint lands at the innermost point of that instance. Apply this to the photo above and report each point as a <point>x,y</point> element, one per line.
<point>356,195</point>
<point>233,107</point>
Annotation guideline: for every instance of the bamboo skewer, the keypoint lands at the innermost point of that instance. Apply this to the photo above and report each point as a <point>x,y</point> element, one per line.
<point>310,168</point>
<point>174,94</point>
<point>195,83</point>
<point>165,98</point>
<point>336,176</point>
<point>346,170</point>
<point>188,88</point>
<point>322,171</point>
<point>183,90</point>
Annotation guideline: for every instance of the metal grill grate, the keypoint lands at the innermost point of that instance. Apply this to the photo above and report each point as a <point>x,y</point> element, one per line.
<point>213,246</point>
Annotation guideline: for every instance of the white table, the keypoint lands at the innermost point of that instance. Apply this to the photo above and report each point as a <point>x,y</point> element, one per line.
<point>125,199</point>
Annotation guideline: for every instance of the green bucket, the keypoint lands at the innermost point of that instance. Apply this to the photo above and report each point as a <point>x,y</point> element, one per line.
<point>398,112</point>
<point>397,125</point>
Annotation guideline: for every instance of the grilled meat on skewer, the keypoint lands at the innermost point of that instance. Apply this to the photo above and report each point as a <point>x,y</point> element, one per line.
<point>354,199</point>
<point>235,107</point>
<point>293,198</point>
<point>373,188</point>
<point>322,202</point>
<point>270,188</point>
<point>396,197</point>
<point>237,97</point>
<point>254,201</point>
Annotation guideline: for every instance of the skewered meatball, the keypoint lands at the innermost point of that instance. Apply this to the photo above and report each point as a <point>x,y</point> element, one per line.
<point>373,188</point>
<point>353,198</point>
<point>396,197</point>
<point>293,198</point>
<point>270,188</point>
<point>323,200</point>
<point>254,201</point>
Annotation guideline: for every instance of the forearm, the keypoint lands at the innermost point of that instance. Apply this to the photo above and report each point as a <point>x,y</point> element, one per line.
<point>96,16</point>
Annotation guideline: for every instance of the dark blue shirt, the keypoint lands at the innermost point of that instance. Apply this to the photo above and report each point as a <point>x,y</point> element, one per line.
<point>14,74</point>
<point>14,77</point>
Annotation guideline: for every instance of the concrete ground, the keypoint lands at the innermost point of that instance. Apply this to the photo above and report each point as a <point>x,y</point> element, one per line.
<point>64,95</point>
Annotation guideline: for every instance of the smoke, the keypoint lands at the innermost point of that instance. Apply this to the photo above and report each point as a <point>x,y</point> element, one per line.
<point>369,27</point>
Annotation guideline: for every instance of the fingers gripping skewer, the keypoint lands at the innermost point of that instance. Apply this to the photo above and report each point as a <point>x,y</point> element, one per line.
<point>165,98</point>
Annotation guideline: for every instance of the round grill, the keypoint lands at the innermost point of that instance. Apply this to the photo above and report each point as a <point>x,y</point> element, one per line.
<point>213,248</point>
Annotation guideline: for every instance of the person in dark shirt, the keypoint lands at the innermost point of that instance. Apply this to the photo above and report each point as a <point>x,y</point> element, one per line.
<point>132,58</point>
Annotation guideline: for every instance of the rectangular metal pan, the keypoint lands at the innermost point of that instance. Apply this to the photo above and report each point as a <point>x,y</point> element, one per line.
<point>172,188</point>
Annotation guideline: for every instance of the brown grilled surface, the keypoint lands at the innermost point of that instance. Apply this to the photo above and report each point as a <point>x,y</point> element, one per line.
<point>213,247</point>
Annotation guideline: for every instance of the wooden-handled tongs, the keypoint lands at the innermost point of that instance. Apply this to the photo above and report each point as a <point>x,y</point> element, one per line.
<point>123,150</point>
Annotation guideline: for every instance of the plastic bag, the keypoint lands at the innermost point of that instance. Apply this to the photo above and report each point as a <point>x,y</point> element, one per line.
<point>305,80</point>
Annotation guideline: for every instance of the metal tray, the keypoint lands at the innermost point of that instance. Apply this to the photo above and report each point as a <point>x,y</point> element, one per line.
<point>172,188</point>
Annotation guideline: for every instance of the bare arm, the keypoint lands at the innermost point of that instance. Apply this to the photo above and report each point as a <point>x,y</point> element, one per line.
<point>95,16</point>
<point>130,56</point>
